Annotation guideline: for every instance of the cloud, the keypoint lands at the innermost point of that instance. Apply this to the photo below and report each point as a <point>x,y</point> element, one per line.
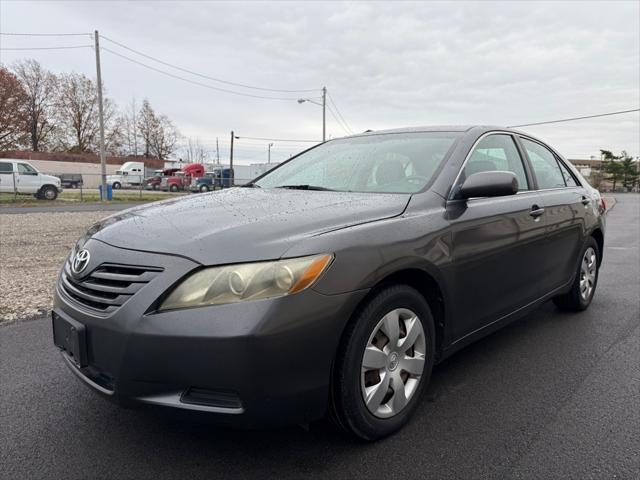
<point>386,64</point>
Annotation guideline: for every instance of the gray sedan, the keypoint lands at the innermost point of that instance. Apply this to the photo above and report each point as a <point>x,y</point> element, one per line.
<point>333,283</point>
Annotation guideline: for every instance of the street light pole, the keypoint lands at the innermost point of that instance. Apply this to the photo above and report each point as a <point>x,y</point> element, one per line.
<point>269,157</point>
<point>103,165</point>
<point>324,110</point>
<point>231,162</point>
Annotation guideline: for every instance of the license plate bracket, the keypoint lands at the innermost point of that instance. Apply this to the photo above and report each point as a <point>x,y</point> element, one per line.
<point>71,337</point>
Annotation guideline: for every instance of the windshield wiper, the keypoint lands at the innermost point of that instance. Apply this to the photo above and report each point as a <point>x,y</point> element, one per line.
<point>306,187</point>
<point>251,185</point>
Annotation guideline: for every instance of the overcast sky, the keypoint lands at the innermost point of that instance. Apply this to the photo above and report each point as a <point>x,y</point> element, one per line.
<point>385,64</point>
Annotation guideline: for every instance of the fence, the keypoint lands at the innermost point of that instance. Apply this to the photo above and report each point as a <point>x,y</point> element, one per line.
<point>18,187</point>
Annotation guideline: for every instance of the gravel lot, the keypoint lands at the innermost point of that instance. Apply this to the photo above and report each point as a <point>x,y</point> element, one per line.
<point>33,247</point>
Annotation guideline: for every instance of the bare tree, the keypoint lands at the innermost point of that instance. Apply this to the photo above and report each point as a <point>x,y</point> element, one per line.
<point>146,124</point>
<point>13,111</point>
<point>77,113</point>
<point>40,85</point>
<point>130,129</point>
<point>164,137</point>
<point>195,151</point>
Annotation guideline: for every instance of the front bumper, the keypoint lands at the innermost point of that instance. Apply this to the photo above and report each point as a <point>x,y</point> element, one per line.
<point>261,362</point>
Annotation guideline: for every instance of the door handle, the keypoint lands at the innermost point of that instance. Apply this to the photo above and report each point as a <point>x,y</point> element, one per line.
<point>586,201</point>
<point>536,211</point>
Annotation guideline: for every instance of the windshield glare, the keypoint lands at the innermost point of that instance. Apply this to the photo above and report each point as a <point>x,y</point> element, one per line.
<point>384,163</point>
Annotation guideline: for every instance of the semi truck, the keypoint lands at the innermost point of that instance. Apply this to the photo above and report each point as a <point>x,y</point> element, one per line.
<point>130,174</point>
<point>181,179</point>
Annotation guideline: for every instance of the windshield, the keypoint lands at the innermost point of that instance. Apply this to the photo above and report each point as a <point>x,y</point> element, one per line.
<point>384,163</point>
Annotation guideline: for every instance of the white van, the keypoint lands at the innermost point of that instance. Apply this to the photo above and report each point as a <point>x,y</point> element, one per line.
<point>130,174</point>
<point>21,177</point>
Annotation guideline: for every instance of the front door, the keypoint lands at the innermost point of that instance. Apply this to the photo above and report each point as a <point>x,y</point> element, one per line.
<point>495,241</point>
<point>27,179</point>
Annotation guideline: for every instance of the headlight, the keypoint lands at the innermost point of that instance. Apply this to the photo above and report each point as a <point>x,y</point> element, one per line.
<point>248,281</point>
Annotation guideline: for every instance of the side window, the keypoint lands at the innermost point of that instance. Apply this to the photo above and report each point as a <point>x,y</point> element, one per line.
<point>6,167</point>
<point>24,168</point>
<point>497,153</point>
<point>568,177</point>
<point>544,165</point>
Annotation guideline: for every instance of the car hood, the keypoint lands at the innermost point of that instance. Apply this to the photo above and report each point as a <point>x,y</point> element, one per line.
<point>241,224</point>
<point>50,179</point>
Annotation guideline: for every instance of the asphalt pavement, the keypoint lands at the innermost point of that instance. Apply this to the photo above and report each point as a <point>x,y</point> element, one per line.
<point>554,395</point>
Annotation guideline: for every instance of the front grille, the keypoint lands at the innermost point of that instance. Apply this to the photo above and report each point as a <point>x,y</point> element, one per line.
<point>107,287</point>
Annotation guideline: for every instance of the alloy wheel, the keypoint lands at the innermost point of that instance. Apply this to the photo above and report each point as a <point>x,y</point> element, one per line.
<point>393,363</point>
<point>588,272</point>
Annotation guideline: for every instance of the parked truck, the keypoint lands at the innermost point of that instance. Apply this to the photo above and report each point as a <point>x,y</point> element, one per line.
<point>181,179</point>
<point>215,179</point>
<point>70,180</point>
<point>130,174</point>
<point>18,176</point>
<point>154,182</point>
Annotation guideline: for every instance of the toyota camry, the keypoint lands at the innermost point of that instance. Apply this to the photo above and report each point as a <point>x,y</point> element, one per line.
<point>332,284</point>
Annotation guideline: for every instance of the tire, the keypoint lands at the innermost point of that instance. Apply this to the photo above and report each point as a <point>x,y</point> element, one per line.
<point>204,188</point>
<point>173,188</point>
<point>48,193</point>
<point>579,297</point>
<point>116,186</point>
<point>352,380</point>
<point>155,187</point>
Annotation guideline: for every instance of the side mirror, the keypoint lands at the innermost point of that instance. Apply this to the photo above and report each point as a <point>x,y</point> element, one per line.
<point>489,184</point>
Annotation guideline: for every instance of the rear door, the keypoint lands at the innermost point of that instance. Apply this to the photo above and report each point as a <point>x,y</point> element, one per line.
<point>495,241</point>
<point>566,205</point>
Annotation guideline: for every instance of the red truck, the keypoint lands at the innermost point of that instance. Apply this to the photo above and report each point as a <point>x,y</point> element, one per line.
<point>181,179</point>
<point>153,182</point>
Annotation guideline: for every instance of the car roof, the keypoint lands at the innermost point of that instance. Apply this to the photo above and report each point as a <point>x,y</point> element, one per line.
<point>436,128</point>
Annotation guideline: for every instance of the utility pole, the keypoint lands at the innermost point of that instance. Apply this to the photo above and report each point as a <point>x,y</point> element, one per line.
<point>231,162</point>
<point>324,113</point>
<point>217,152</point>
<point>269,157</point>
<point>103,165</point>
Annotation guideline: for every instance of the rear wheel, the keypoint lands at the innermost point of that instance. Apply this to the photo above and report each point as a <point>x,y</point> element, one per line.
<point>584,286</point>
<point>383,364</point>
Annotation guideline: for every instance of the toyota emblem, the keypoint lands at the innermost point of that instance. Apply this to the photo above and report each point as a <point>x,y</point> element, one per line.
<point>80,261</point>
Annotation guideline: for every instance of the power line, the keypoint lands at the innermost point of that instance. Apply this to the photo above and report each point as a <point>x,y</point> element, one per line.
<point>576,118</point>
<point>338,120</point>
<point>340,114</point>
<point>277,139</point>
<point>44,34</point>
<point>204,76</point>
<point>178,77</point>
<point>47,48</point>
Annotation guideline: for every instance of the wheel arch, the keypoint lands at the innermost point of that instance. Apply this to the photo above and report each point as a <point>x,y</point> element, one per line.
<point>427,284</point>
<point>598,236</point>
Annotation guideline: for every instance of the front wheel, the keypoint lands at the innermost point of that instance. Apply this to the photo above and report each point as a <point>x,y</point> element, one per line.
<point>584,286</point>
<point>173,188</point>
<point>204,188</point>
<point>49,193</point>
<point>383,364</point>
<point>116,185</point>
